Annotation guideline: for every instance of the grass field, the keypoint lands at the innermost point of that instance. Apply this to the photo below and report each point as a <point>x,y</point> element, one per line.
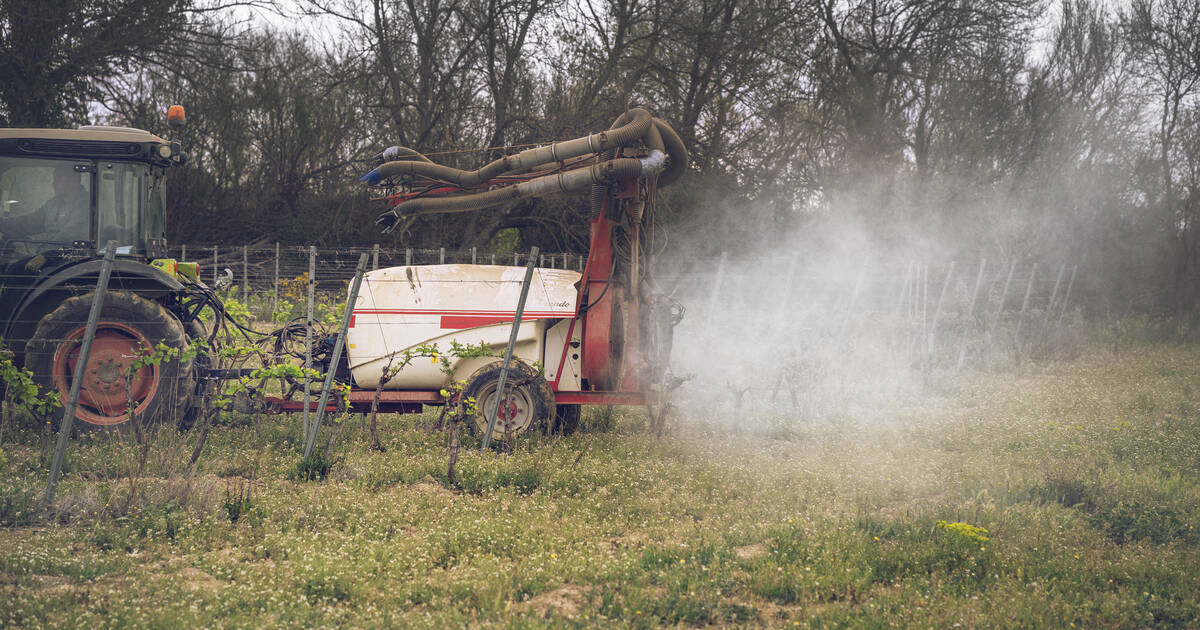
<point>1052,495</point>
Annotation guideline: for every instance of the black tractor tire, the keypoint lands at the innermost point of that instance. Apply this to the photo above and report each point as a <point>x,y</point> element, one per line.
<point>529,404</point>
<point>566,419</point>
<point>129,326</point>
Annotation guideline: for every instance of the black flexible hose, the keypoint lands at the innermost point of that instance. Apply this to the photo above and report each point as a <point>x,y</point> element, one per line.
<point>607,283</point>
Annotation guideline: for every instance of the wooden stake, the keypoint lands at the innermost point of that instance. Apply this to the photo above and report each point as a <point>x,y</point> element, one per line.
<point>937,311</point>
<point>1067,295</point>
<point>1024,307</point>
<point>962,346</point>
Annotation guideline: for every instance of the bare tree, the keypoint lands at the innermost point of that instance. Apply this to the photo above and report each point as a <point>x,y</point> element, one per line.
<point>420,54</point>
<point>53,51</point>
<point>1165,38</point>
<point>607,44</point>
<point>884,60</point>
<point>505,27</point>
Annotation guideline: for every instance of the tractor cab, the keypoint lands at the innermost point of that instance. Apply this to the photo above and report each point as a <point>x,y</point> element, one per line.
<point>64,193</point>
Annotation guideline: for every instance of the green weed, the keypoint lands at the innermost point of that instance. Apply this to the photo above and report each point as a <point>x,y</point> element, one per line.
<point>314,467</point>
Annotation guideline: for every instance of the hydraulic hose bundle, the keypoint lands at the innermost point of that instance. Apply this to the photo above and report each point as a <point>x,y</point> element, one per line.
<point>587,163</point>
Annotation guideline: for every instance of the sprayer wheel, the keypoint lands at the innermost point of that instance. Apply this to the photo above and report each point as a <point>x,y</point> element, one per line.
<point>566,419</point>
<point>199,387</point>
<point>529,400</point>
<point>129,326</point>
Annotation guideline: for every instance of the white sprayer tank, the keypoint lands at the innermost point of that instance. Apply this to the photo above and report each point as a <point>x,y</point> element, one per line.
<point>400,308</point>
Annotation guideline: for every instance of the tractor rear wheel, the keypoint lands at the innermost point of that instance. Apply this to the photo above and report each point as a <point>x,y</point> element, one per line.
<point>528,400</point>
<point>130,326</point>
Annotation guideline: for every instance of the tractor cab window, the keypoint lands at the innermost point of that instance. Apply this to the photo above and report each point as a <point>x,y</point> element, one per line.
<point>44,205</point>
<point>156,203</point>
<point>119,196</point>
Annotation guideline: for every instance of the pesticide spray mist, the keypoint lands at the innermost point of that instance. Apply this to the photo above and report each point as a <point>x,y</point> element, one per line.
<point>789,332</point>
<point>831,323</point>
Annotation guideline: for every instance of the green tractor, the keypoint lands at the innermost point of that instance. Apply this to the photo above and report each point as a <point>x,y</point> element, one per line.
<point>64,194</point>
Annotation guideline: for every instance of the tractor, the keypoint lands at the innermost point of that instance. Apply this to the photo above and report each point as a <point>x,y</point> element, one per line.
<point>64,195</point>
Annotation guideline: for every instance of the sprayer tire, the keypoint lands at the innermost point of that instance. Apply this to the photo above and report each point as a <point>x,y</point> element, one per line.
<point>530,404</point>
<point>199,387</point>
<point>566,419</point>
<point>128,324</point>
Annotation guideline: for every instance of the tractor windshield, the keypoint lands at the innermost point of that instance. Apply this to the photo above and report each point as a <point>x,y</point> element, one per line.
<point>48,205</point>
<point>120,196</point>
<point>44,204</point>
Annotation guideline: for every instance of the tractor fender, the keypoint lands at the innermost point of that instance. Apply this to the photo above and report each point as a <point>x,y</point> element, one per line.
<point>78,279</point>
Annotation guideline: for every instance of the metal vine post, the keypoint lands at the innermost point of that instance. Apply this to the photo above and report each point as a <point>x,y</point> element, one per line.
<point>508,352</point>
<point>338,345</point>
<point>85,350</point>
<point>308,331</point>
<point>275,291</point>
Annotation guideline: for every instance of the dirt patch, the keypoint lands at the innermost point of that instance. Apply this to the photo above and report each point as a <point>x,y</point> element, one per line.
<point>750,552</point>
<point>632,540</point>
<point>194,579</point>
<point>564,601</point>
<point>13,583</point>
<point>774,615</point>
<point>52,586</point>
<point>429,485</point>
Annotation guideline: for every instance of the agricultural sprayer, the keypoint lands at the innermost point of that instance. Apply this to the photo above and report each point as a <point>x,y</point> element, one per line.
<point>602,336</point>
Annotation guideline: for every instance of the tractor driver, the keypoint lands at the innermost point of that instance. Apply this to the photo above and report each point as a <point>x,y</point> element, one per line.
<point>62,220</point>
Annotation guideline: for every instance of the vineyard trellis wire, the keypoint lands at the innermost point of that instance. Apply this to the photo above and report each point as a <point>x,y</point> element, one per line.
<point>263,267</point>
<point>937,308</point>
